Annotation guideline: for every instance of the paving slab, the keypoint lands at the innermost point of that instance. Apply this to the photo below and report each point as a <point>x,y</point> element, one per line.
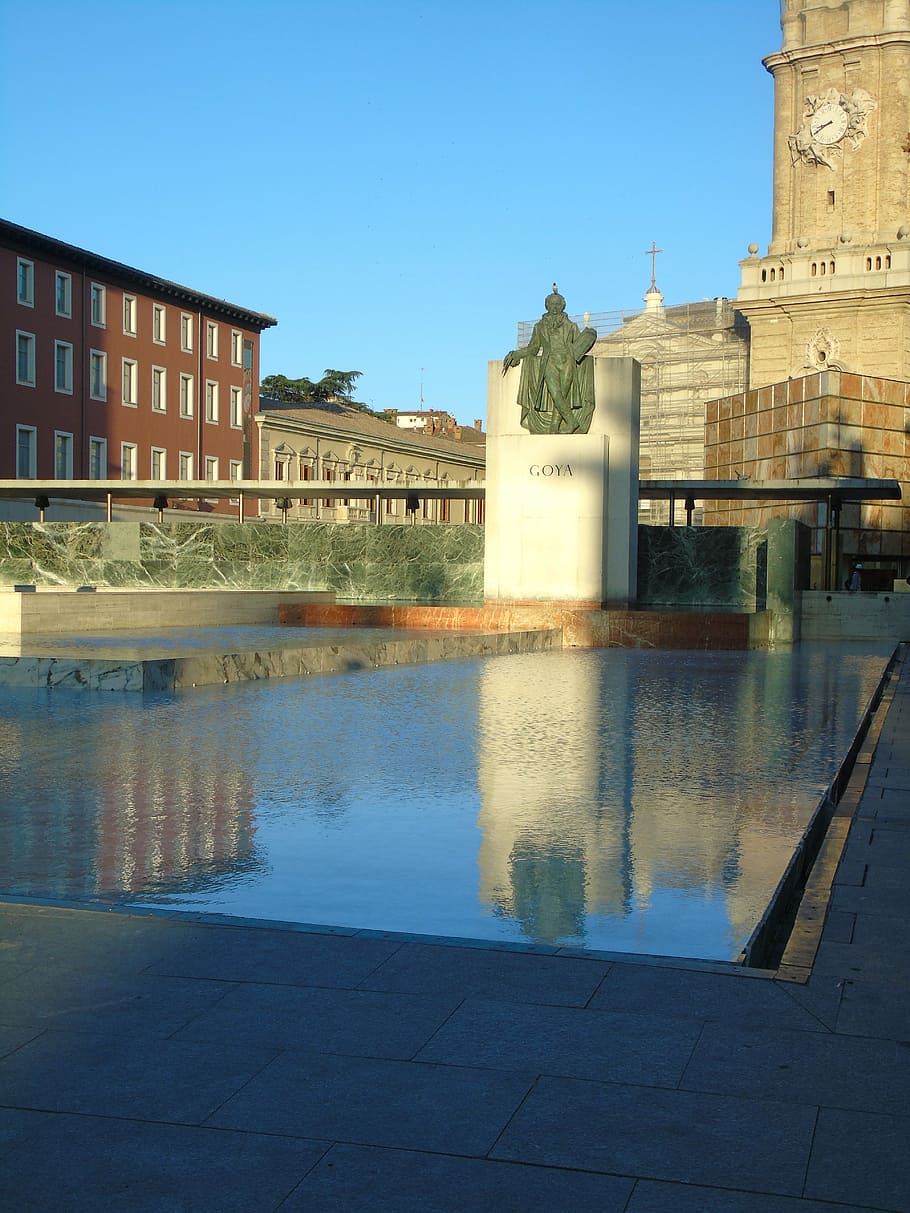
<point>360,1023</point>
<point>608,1045</point>
<point>489,973</point>
<point>408,1105</point>
<point>283,957</point>
<point>877,1009</point>
<point>142,1078</point>
<point>99,1162</point>
<point>92,1001</point>
<point>358,1179</point>
<point>861,1157</point>
<point>688,994</point>
<point>715,1140</point>
<point>826,1069</point>
<point>654,1196</point>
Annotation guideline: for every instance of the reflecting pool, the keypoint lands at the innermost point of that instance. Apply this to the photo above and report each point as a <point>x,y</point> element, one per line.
<point>623,799</point>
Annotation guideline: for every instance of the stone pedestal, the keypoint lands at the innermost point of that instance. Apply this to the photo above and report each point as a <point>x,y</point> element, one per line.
<point>562,509</point>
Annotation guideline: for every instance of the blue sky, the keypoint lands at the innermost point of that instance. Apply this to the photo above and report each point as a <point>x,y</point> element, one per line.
<point>398,182</point>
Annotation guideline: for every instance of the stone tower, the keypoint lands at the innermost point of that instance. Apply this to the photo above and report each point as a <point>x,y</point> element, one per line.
<point>833,290</point>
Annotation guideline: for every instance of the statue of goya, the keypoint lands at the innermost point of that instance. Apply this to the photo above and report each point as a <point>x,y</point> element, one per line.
<point>556,390</point>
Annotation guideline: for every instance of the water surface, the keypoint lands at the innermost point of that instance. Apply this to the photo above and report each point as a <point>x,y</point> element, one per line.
<point>621,799</point>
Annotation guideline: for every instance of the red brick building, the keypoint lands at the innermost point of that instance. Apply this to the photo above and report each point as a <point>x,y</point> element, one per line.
<point>113,373</point>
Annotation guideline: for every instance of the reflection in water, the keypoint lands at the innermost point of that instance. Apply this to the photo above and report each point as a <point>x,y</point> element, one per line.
<point>632,800</point>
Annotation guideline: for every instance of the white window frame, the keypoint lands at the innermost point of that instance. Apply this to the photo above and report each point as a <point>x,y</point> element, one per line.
<point>63,294</point>
<point>98,305</point>
<point>97,358</point>
<point>236,469</point>
<point>129,383</point>
<point>159,324</point>
<point>236,348</point>
<point>237,408</point>
<point>63,382</point>
<point>67,473</point>
<point>211,467</point>
<point>186,332</point>
<point>159,453</point>
<point>28,379</point>
<point>25,282</point>
<point>129,454</point>
<point>211,340</point>
<point>159,389</point>
<point>211,401</point>
<point>32,432</point>
<point>95,443</point>
<point>130,315</point>
<point>187,394</point>
<point>185,466</point>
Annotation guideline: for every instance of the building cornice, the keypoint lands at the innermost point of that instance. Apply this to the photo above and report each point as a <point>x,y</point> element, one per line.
<point>23,239</point>
<point>279,422</point>
<point>789,58</point>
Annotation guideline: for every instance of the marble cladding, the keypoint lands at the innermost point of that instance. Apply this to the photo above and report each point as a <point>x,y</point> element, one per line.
<point>832,423</point>
<point>443,563</point>
<point>576,627</point>
<point>206,669</point>
<point>717,567</point>
<point>721,568</point>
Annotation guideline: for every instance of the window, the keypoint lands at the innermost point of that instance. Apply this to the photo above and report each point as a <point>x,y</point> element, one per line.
<point>159,463</point>
<point>26,452</point>
<point>247,355</point>
<point>159,389</point>
<point>97,458</point>
<point>25,282</point>
<point>98,305</point>
<point>280,465</point>
<point>211,467</point>
<point>129,315</point>
<point>186,331</point>
<point>211,400</point>
<point>63,456</point>
<point>63,293</point>
<point>186,466</point>
<point>130,383</point>
<point>236,469</point>
<point>211,339</point>
<point>159,323</point>
<point>186,395</point>
<point>63,367</point>
<point>236,348</point>
<point>25,359</point>
<point>236,408</point>
<point>97,375</point>
<point>128,459</point>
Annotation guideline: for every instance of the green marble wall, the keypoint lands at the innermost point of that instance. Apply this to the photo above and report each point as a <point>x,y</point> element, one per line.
<point>705,567</point>
<point>721,567</point>
<point>407,563</point>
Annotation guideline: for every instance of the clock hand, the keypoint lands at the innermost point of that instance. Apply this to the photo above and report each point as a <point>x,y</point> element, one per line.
<point>823,125</point>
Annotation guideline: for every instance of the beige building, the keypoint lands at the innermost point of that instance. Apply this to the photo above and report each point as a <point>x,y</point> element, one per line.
<point>688,355</point>
<point>834,287</point>
<point>829,305</point>
<point>334,442</point>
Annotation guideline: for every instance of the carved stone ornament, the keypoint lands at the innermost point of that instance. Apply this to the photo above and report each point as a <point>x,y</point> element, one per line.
<point>831,120</point>
<point>823,350</point>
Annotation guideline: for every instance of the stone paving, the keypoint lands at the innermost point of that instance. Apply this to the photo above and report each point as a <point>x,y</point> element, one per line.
<point>156,1063</point>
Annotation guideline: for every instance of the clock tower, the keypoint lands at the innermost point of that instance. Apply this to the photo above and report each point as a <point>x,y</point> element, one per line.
<point>833,291</point>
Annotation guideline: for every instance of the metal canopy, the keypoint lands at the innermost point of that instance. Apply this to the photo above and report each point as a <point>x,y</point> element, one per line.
<point>815,488</point>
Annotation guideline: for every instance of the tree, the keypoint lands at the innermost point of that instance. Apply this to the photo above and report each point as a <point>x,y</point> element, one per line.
<point>334,385</point>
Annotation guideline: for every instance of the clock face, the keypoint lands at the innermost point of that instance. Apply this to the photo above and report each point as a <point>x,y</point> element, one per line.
<point>828,123</point>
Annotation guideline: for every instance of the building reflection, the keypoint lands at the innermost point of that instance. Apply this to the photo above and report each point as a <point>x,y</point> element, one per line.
<point>163,813</point>
<point>608,784</point>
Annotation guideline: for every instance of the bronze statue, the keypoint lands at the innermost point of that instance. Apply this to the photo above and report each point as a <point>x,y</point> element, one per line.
<point>556,390</point>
